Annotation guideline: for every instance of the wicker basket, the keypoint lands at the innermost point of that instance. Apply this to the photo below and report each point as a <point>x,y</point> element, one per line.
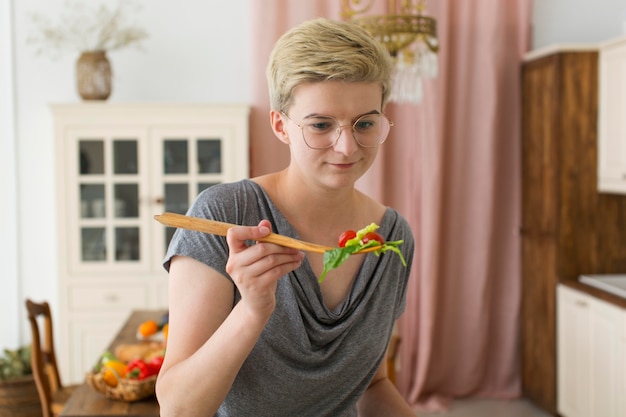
<point>19,398</point>
<point>128,390</point>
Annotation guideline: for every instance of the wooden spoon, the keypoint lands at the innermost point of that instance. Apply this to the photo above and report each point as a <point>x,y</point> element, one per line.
<point>220,228</point>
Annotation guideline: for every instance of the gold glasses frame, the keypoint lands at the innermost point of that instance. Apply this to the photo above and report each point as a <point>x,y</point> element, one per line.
<point>339,129</point>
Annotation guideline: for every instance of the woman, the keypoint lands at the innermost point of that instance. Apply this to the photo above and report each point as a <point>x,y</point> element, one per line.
<point>252,332</point>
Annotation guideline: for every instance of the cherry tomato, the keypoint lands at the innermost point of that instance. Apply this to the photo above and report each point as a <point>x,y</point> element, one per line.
<point>346,236</point>
<point>373,236</point>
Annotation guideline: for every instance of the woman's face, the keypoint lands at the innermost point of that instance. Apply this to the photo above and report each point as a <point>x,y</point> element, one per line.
<point>342,164</point>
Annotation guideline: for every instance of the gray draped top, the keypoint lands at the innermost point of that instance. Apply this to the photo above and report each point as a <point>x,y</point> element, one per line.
<point>309,360</point>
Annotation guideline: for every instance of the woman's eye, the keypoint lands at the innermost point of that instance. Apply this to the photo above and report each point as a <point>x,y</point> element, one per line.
<point>364,124</point>
<point>320,126</point>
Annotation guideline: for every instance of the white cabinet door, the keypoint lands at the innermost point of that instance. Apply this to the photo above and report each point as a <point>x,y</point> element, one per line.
<point>611,120</point>
<point>591,356</point>
<point>186,161</point>
<point>90,335</point>
<point>107,173</point>
<point>606,359</point>
<point>573,356</point>
<point>621,371</point>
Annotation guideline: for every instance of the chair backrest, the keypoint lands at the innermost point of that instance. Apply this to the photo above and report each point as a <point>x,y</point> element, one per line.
<point>43,357</point>
<point>392,353</point>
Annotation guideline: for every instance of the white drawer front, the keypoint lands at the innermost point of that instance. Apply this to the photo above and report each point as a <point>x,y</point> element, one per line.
<point>107,298</point>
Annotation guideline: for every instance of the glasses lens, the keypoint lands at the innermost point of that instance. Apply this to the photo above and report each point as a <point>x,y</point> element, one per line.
<point>320,132</point>
<point>371,129</point>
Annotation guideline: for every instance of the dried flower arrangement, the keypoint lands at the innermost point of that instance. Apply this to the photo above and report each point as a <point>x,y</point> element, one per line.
<point>87,28</point>
<point>15,363</point>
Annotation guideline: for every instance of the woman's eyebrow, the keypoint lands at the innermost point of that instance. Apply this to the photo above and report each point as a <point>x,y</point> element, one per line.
<point>333,117</point>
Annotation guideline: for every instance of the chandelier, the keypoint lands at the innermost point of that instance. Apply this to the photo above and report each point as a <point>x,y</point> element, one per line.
<point>409,36</point>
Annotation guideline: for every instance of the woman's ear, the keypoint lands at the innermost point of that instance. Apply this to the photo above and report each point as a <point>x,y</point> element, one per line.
<point>279,126</point>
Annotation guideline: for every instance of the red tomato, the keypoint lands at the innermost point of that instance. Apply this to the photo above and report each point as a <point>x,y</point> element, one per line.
<point>346,236</point>
<point>373,236</point>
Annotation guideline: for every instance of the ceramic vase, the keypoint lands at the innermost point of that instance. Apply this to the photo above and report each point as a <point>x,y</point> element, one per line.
<point>93,75</point>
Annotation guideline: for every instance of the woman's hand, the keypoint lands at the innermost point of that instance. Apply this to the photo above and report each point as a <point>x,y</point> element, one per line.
<point>256,269</point>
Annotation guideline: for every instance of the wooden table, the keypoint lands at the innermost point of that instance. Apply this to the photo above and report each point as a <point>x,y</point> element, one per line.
<point>85,402</point>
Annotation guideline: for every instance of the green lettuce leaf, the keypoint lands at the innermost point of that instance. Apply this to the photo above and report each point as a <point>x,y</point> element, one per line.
<point>333,258</point>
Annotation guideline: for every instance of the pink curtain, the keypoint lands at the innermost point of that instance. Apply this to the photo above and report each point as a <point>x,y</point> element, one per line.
<point>452,167</point>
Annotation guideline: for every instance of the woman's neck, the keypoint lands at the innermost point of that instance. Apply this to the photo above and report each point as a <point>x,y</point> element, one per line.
<point>317,213</point>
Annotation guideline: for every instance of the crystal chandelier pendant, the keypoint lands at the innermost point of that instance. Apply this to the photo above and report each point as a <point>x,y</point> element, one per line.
<point>409,36</point>
<point>412,66</point>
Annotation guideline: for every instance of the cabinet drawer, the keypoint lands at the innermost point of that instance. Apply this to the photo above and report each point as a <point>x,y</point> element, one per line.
<point>103,298</point>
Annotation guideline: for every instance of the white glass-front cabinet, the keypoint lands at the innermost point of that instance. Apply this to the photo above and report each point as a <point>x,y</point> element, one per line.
<point>118,165</point>
<point>591,356</point>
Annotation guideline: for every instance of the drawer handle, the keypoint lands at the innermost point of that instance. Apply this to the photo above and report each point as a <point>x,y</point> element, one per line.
<point>111,298</point>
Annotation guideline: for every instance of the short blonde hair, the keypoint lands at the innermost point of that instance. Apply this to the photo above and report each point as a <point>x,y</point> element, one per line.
<point>325,50</point>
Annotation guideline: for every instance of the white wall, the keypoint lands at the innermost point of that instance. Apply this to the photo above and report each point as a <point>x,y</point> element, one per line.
<point>9,294</point>
<point>198,51</point>
<point>577,21</point>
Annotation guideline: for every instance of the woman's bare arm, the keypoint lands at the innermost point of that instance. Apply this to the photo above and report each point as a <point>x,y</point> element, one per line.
<point>209,339</point>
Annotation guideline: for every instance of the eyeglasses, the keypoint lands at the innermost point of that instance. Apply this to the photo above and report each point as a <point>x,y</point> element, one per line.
<point>322,132</point>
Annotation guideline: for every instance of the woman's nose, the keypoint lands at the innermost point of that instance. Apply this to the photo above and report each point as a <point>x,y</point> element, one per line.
<point>346,143</point>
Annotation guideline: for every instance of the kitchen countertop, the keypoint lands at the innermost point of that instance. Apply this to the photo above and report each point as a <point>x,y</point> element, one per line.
<point>595,292</point>
<point>615,284</point>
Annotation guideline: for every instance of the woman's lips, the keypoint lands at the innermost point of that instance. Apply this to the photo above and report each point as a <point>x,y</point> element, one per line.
<point>344,165</point>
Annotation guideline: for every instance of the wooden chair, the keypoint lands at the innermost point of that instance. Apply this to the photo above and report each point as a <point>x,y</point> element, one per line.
<point>52,394</point>
<point>392,354</point>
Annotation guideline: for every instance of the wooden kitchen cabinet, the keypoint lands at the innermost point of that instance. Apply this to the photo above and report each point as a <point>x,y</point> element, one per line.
<point>117,166</point>
<point>591,360</point>
<point>612,123</point>
<point>568,228</point>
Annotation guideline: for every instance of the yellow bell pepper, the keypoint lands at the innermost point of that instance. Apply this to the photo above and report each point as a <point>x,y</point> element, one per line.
<point>112,371</point>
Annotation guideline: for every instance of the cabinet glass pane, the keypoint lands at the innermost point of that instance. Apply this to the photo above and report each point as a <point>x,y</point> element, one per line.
<point>93,243</point>
<point>126,199</point>
<point>92,200</point>
<point>91,157</point>
<point>175,157</point>
<point>126,243</point>
<point>176,198</point>
<point>169,233</point>
<point>209,156</point>
<point>204,185</point>
<point>125,156</point>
